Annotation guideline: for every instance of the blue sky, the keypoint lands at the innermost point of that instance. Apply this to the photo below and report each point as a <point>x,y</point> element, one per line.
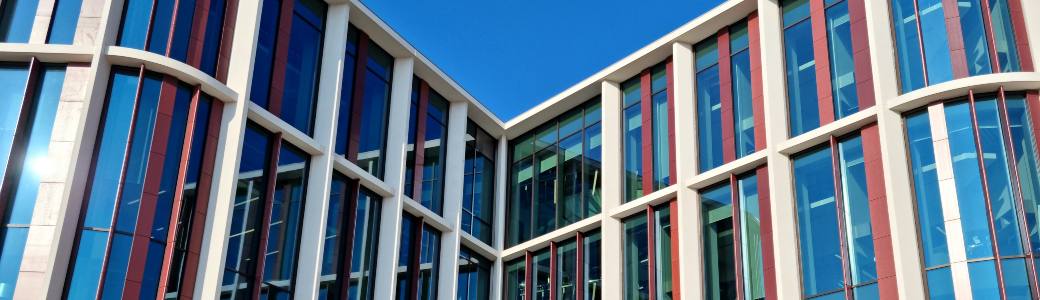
<point>512,55</point>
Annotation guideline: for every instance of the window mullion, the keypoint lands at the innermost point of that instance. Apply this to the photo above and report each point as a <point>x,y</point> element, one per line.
<point>985,193</point>
<point>839,201</point>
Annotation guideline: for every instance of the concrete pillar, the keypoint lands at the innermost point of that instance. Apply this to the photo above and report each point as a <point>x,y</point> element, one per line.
<point>312,239</point>
<point>1030,9</point>
<point>690,245</point>
<point>613,185</point>
<point>42,21</point>
<point>396,143</point>
<point>453,182</point>
<point>501,185</point>
<point>950,202</point>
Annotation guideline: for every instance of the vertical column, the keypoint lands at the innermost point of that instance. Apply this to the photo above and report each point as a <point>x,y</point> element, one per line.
<point>613,186</point>
<point>781,194</point>
<point>1028,30</point>
<point>453,181</point>
<point>232,128</point>
<point>396,141</point>
<point>958,56</point>
<point>316,208</point>
<point>950,203</point>
<point>42,22</point>
<point>689,242</point>
<point>501,186</point>
<point>878,203</point>
<point>906,256</point>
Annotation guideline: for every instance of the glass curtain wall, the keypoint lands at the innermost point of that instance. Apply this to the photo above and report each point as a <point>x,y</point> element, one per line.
<point>427,147</point>
<point>364,103</point>
<point>478,187</point>
<point>646,127</point>
<point>351,237</point>
<point>732,245</point>
<point>17,18</point>
<point>725,113</point>
<point>648,248</point>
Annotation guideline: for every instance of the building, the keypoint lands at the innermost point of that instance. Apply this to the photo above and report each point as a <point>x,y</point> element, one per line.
<point>227,149</point>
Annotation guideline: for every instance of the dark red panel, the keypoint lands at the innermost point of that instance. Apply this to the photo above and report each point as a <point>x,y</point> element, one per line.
<point>579,278</point>
<point>651,255</point>
<point>226,36</point>
<point>346,243</point>
<point>823,63</point>
<point>265,225</point>
<point>1018,22</point>
<point>953,35</point>
<point>671,122</point>
<point>420,139</point>
<point>356,105</point>
<point>281,58</point>
<point>528,277</point>
<point>879,221</point>
<point>766,231</point>
<point>178,193</point>
<point>413,266</point>
<point>757,94</point>
<point>198,33</point>
<point>553,283</point>
<point>729,152</point>
<point>646,105</point>
<point>861,54</point>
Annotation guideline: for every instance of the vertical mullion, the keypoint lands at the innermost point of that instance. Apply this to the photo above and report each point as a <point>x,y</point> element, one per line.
<point>839,201</point>
<point>1018,25</point>
<point>416,259</point>
<point>647,112</point>
<point>738,263</point>
<point>766,233</point>
<point>528,274</point>
<point>1017,188</point>
<point>202,197</point>
<point>197,39</point>
<point>670,90</point>
<point>350,193</point>
<point>991,40</point>
<point>151,24</point>
<point>226,35</point>
<point>178,194</point>
<point>729,152</point>
<point>651,253</point>
<point>821,56</point>
<point>173,27</point>
<point>861,53</point>
<point>579,278</point>
<point>757,93</point>
<point>420,140</point>
<point>920,43</point>
<point>265,218</point>
<point>985,193</point>
<point>356,98</point>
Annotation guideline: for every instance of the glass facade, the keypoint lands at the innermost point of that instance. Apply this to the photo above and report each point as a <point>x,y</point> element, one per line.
<point>725,111</point>
<point>428,132</point>
<point>575,263</point>
<point>555,178</point>
<point>364,103</point>
<point>474,276</point>
<point>800,65</point>
<point>478,187</point>
<point>351,237</point>
<point>17,18</point>
<point>288,54</point>
<point>732,245</point>
<point>646,127</point>
<point>648,246</point>
<point>189,31</point>
<point>419,260</point>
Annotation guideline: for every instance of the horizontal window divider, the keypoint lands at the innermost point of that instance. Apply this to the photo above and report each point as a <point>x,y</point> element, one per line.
<point>274,124</point>
<point>429,217</point>
<point>185,73</point>
<point>352,171</point>
<point>564,233</point>
<point>737,167</point>
<point>49,53</point>
<point>639,204</point>
<point>477,246</point>
<point>815,137</point>
<point>1013,81</point>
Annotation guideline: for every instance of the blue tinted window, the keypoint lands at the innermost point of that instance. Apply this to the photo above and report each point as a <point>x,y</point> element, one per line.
<point>908,49</point>
<point>134,32</point>
<point>858,235</point>
<point>1004,36</point>
<point>984,282</point>
<point>1023,142</point>
<point>940,284</point>
<point>301,69</point>
<point>16,20</point>
<point>286,218</point>
<point>263,59</point>
<point>998,177</point>
<point>719,265</point>
<point>743,109</point>
<point>817,222</point>
<point>1016,279</point>
<point>843,67</point>
<point>974,219</point>
<point>661,142</point>
<point>515,278</point>
<point>936,46</point>
<point>926,190</point>
<point>474,276</point>
<point>709,109</point>
<point>632,138</point>
<point>976,48</point>
<point>803,106</point>
<point>159,33</point>
<point>248,205</point>
<point>635,266</point>
<point>63,23</point>
<point>592,267</point>
<point>479,183</point>
<point>212,39</point>
<point>751,243</point>
<point>15,76</point>
<point>362,121</point>
<point>182,29</point>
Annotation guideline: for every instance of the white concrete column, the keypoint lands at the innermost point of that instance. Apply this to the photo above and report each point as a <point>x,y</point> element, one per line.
<point>613,186</point>
<point>950,203</point>
<point>396,141</point>
<point>1031,9</point>
<point>42,21</point>
<point>501,186</point>
<point>232,128</point>
<point>690,245</point>
<point>454,172</point>
<point>785,227</point>
<point>312,239</point>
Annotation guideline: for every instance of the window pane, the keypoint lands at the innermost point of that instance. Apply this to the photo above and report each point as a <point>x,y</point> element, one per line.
<point>709,119</point>
<point>593,176</point>
<point>515,277</point>
<point>663,254</point>
<point>545,210</point>
<point>429,257</point>
<point>984,283</point>
<point>719,267</point>
<point>662,144</point>
<point>15,75</point>
<point>974,219</point>
<point>541,276</point>
<point>374,109</point>
<point>63,23</point>
<point>301,71</point>
<point>17,20</point>
<point>1023,142</point>
<point>567,270</point>
<point>1004,36</point>
<point>926,190</point>
<point>940,284</point>
<point>803,106</point>
<point>998,177</point>
<point>520,204</point>
<point>933,36</point>
<point>636,266</point>
<point>976,49</point>
<point>569,206</point>
<point>843,79</point>
<point>366,239</point>
<point>249,201</point>
<point>633,140</point>
<point>817,223</point>
<point>1016,279</point>
<point>908,50</point>
<point>743,109</point>
<point>286,218</point>
<point>751,237</point>
<point>860,240</point>
<point>592,267</point>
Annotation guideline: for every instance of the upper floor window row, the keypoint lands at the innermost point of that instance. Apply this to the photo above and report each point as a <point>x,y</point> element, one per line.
<point>478,189</point>
<point>195,32</point>
<point>427,146</point>
<point>555,176</point>
<point>53,22</point>
<point>936,43</point>
<point>364,103</point>
<point>647,131</point>
<point>578,271</point>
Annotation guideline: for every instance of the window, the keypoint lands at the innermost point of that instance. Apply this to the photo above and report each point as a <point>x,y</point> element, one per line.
<point>555,175</point>
<point>364,103</point>
<point>577,271</point>
<point>648,248</point>
<point>803,104</point>
<point>734,204</point>
<point>168,28</point>
<point>287,85</point>
<point>843,66</point>
<point>474,276</point>
<point>834,217</point>
<point>648,94</point>
<point>351,236</point>
<point>17,18</point>
<point>725,108</point>
<point>418,262</point>
<point>26,122</point>
<point>592,268</point>
<point>478,187</point>
<point>428,132</point>
<point>515,286</point>
<point>989,143</point>
<point>146,119</point>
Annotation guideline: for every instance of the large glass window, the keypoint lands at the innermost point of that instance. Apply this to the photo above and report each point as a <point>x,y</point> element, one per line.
<point>843,66</point>
<point>478,187</point>
<point>418,262</point>
<point>351,236</point>
<point>592,267</point>
<point>646,106</point>
<point>743,99</point>
<point>427,147</point>
<point>568,269</point>
<point>515,286</point>
<point>23,152</point>
<point>17,18</point>
<point>719,205</point>
<point>474,276</point>
<point>725,112</point>
<point>285,81</point>
<point>168,28</point>
<point>835,234</point>
<point>709,106</point>
<point>364,103</point>
<point>555,175</point>
<point>648,247</point>
<point>803,104</point>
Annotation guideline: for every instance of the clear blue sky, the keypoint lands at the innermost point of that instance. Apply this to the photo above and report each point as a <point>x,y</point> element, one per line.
<point>512,55</point>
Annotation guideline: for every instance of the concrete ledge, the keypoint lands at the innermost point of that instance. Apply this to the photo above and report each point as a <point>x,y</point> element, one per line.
<point>46,52</point>
<point>188,74</point>
<point>1014,81</point>
<point>540,242</point>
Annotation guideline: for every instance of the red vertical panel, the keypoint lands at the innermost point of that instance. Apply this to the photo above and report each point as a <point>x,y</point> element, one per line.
<point>958,57</point>
<point>646,105</point>
<point>671,122</point>
<point>1033,105</point>
<point>173,26</point>
<point>265,225</point>
<point>651,257</point>
<point>553,283</point>
<point>1018,23</point>
<point>198,32</point>
<point>673,218</point>
<point>420,139</point>
<point>757,94</point>
<point>821,54</point>
<point>202,197</point>
<point>413,266</point>
<point>879,224</point>
<point>226,35</point>
<point>356,104</point>
<point>861,53</point>
<point>738,263</point>
<point>281,57</point>
<point>153,177</point>
<point>178,194</point>
<point>528,280</point>
<point>729,152</point>
<point>579,278</point>
<point>766,231</point>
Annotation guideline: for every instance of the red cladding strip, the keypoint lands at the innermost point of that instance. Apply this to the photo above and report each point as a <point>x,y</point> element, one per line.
<point>646,105</point>
<point>265,227</point>
<point>766,231</point>
<point>413,266</point>
<point>861,53</point>
<point>205,184</point>
<point>198,32</point>
<point>356,104</point>
<point>987,23</point>
<point>226,35</point>
<point>671,123</point>
<point>757,94</point>
<point>821,54</point>
<point>528,280</point>
<point>651,256</point>
<point>8,178</point>
<point>579,278</point>
<point>553,283</point>
<point>673,219</point>
<point>1018,25</point>
<point>986,197</point>
<point>173,26</point>
<point>738,265</point>
<point>729,152</point>
<point>153,178</point>
<point>879,224</point>
<point>346,227</point>
<point>420,139</point>
<point>281,57</point>
<point>178,194</point>
<point>958,57</point>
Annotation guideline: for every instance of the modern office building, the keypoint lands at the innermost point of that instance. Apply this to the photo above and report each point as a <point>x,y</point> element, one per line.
<point>277,149</point>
